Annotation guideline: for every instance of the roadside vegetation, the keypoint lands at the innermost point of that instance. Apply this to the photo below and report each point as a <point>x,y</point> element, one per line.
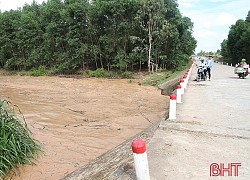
<point>161,76</point>
<point>63,37</point>
<point>16,144</point>
<point>237,45</point>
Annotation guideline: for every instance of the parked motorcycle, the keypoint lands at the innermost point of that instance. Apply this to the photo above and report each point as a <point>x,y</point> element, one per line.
<point>201,73</point>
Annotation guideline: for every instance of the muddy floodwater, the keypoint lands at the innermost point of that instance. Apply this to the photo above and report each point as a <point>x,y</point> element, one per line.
<point>78,119</point>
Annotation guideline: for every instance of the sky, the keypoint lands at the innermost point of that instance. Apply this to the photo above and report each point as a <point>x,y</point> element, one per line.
<point>212,18</point>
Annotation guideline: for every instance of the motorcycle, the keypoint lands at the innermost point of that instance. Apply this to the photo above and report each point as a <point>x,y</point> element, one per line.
<point>241,72</point>
<point>201,73</point>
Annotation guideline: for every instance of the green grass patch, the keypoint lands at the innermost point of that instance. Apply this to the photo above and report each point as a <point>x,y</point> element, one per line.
<point>41,71</point>
<point>102,73</point>
<point>16,144</point>
<point>161,76</point>
<point>157,78</point>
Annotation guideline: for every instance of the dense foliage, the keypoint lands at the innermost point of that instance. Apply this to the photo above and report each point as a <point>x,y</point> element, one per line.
<point>237,45</point>
<point>16,144</point>
<point>77,34</point>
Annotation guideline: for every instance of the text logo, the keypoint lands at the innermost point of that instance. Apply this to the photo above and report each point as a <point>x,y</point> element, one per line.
<point>231,169</point>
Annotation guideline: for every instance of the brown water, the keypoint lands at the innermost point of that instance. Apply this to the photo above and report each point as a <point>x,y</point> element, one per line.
<point>77,120</point>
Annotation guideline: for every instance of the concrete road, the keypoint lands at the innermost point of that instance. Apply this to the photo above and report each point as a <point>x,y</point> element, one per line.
<point>212,126</point>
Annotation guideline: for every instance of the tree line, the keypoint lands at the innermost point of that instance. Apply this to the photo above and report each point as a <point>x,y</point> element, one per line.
<point>70,35</point>
<point>237,45</point>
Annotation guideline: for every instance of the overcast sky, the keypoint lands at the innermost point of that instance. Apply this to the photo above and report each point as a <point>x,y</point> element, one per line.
<point>211,18</point>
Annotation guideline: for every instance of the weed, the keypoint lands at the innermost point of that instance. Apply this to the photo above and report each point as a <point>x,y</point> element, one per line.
<point>16,145</point>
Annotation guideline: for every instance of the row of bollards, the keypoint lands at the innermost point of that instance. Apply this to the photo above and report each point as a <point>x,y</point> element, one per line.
<point>139,146</point>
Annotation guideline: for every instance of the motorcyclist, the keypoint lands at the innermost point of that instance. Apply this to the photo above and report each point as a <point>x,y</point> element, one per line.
<point>244,64</point>
<point>242,69</point>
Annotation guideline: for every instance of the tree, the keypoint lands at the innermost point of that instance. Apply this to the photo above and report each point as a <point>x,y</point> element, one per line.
<point>80,34</point>
<point>153,17</point>
<point>248,17</point>
<point>238,41</point>
<point>224,51</point>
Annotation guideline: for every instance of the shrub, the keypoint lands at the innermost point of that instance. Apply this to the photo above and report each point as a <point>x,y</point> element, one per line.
<point>127,74</point>
<point>100,72</point>
<point>16,145</point>
<point>41,71</point>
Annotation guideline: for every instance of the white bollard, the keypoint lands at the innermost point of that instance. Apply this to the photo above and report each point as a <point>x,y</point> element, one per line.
<point>140,159</point>
<point>172,107</point>
<point>188,73</point>
<point>182,86</point>
<point>185,81</point>
<point>178,90</point>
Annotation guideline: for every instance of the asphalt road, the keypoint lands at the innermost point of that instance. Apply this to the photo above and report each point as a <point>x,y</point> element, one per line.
<point>212,126</point>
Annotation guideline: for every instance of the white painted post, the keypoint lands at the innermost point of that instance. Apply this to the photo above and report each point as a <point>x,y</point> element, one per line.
<point>187,73</point>
<point>140,159</point>
<point>182,86</point>
<point>185,81</point>
<point>172,107</point>
<point>178,100</point>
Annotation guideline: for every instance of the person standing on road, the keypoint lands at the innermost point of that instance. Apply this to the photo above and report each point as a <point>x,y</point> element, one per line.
<point>210,63</point>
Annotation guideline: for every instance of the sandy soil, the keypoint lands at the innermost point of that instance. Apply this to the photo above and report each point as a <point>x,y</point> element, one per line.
<point>77,120</point>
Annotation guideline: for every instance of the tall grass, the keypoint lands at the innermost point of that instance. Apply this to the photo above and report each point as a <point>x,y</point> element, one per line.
<point>16,145</point>
<point>161,76</point>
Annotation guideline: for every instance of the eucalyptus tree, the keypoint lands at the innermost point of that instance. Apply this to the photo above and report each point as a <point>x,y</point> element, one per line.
<point>55,31</point>
<point>114,25</point>
<point>9,25</point>
<point>224,52</point>
<point>72,34</point>
<point>75,15</point>
<point>153,19</point>
<point>187,41</point>
<point>29,37</point>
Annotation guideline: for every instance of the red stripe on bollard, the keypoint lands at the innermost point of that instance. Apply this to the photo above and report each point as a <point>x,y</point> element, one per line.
<point>185,76</point>
<point>173,97</point>
<point>139,146</point>
<point>182,81</point>
<point>178,86</point>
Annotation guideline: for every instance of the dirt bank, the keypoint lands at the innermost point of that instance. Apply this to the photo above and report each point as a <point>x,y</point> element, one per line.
<point>77,120</point>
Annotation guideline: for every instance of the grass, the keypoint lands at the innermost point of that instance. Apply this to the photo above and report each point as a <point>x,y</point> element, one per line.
<point>16,145</point>
<point>161,76</point>
<point>41,71</point>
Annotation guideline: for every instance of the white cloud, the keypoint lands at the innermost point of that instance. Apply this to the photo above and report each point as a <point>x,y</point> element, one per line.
<point>205,33</point>
<point>6,5</point>
<point>187,3</point>
<point>225,19</point>
<point>211,25</point>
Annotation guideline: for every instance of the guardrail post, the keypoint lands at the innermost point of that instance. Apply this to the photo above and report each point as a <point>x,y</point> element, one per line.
<point>140,159</point>
<point>172,107</point>
<point>178,99</point>
<point>182,86</point>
